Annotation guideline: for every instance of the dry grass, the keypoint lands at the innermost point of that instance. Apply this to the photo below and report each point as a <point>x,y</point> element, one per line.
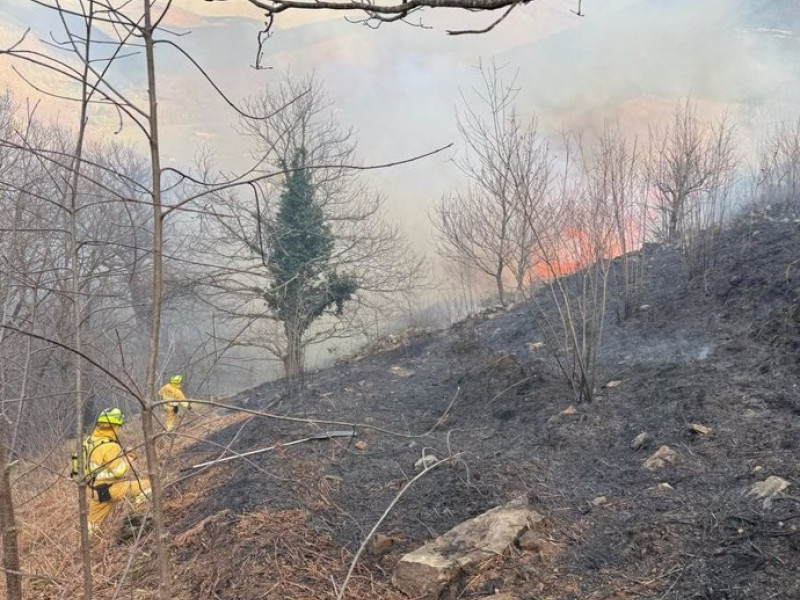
<point>268,554</point>
<point>47,519</point>
<point>261,554</point>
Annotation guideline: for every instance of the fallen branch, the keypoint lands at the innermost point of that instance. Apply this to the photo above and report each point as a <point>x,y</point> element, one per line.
<point>320,436</point>
<point>289,419</point>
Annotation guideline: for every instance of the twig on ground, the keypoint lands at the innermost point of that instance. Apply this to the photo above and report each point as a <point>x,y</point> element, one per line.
<point>385,514</point>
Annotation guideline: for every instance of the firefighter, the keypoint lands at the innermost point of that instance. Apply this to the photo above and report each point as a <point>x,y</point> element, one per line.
<point>176,403</point>
<point>109,473</point>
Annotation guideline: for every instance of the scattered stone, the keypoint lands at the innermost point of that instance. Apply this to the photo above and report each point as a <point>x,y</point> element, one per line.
<point>380,544</point>
<point>530,540</point>
<point>644,307</point>
<point>768,489</point>
<point>664,486</point>
<point>499,596</point>
<point>426,461</point>
<point>750,414</point>
<point>360,445</point>
<point>700,429</point>
<point>429,570</point>
<point>400,371</point>
<point>640,441</point>
<point>735,280</point>
<point>599,501</point>
<point>613,384</point>
<point>534,346</point>
<point>569,411</point>
<point>758,469</point>
<point>660,459</point>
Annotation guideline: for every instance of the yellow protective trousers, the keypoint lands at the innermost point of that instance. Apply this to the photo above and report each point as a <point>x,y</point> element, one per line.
<point>172,416</point>
<point>137,491</point>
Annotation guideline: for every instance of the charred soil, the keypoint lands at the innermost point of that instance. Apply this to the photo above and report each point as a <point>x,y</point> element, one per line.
<point>722,352</point>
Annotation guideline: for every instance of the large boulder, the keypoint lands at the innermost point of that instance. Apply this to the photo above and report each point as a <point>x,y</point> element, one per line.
<point>431,570</point>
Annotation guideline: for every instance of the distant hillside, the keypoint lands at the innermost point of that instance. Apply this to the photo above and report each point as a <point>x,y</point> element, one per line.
<point>720,51</point>
<point>771,14</point>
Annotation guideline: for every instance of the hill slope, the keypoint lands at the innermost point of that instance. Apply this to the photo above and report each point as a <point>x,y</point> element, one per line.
<point>724,355</point>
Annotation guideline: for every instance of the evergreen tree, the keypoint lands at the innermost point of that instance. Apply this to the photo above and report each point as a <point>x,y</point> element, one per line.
<point>304,286</point>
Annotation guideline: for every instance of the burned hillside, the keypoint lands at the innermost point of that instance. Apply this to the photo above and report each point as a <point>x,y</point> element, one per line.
<point>706,368</point>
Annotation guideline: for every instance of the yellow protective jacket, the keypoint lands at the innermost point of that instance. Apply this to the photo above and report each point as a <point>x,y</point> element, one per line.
<point>106,459</point>
<point>173,392</point>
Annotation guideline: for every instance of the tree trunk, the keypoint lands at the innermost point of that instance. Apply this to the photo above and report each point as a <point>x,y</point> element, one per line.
<point>153,467</point>
<point>293,360</point>
<point>675,209</point>
<point>75,288</point>
<point>9,526</point>
<point>501,292</point>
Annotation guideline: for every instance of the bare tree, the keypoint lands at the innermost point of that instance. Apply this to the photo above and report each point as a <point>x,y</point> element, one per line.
<point>618,177</point>
<point>579,232</point>
<point>689,159</point>
<point>93,88</point>
<point>302,254</point>
<point>509,169</point>
<point>778,180</point>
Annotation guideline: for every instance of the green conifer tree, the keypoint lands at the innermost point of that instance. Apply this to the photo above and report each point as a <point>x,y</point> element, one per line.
<point>304,285</point>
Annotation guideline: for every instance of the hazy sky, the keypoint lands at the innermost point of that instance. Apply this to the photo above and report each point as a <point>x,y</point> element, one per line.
<point>398,86</point>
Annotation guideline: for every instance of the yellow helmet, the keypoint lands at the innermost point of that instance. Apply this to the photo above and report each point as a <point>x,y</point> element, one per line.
<point>176,379</point>
<point>112,416</point>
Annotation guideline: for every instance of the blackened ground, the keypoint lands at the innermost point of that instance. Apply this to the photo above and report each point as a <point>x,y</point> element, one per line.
<point>722,352</point>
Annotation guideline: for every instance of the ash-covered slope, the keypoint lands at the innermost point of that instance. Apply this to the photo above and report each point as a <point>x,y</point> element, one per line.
<point>722,353</point>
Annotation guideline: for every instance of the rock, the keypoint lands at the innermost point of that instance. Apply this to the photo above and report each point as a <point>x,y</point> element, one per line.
<point>400,371</point>
<point>568,412</point>
<point>640,441</point>
<point>664,486</point>
<point>599,501</point>
<point>534,346</point>
<point>758,469</point>
<point>750,414</point>
<point>700,429</point>
<point>381,544</point>
<point>360,445</point>
<point>735,280</point>
<point>530,540</point>
<point>429,570</point>
<point>499,596</point>
<point>613,384</point>
<point>768,489</point>
<point>426,461</point>
<point>644,307</point>
<point>660,459</point>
